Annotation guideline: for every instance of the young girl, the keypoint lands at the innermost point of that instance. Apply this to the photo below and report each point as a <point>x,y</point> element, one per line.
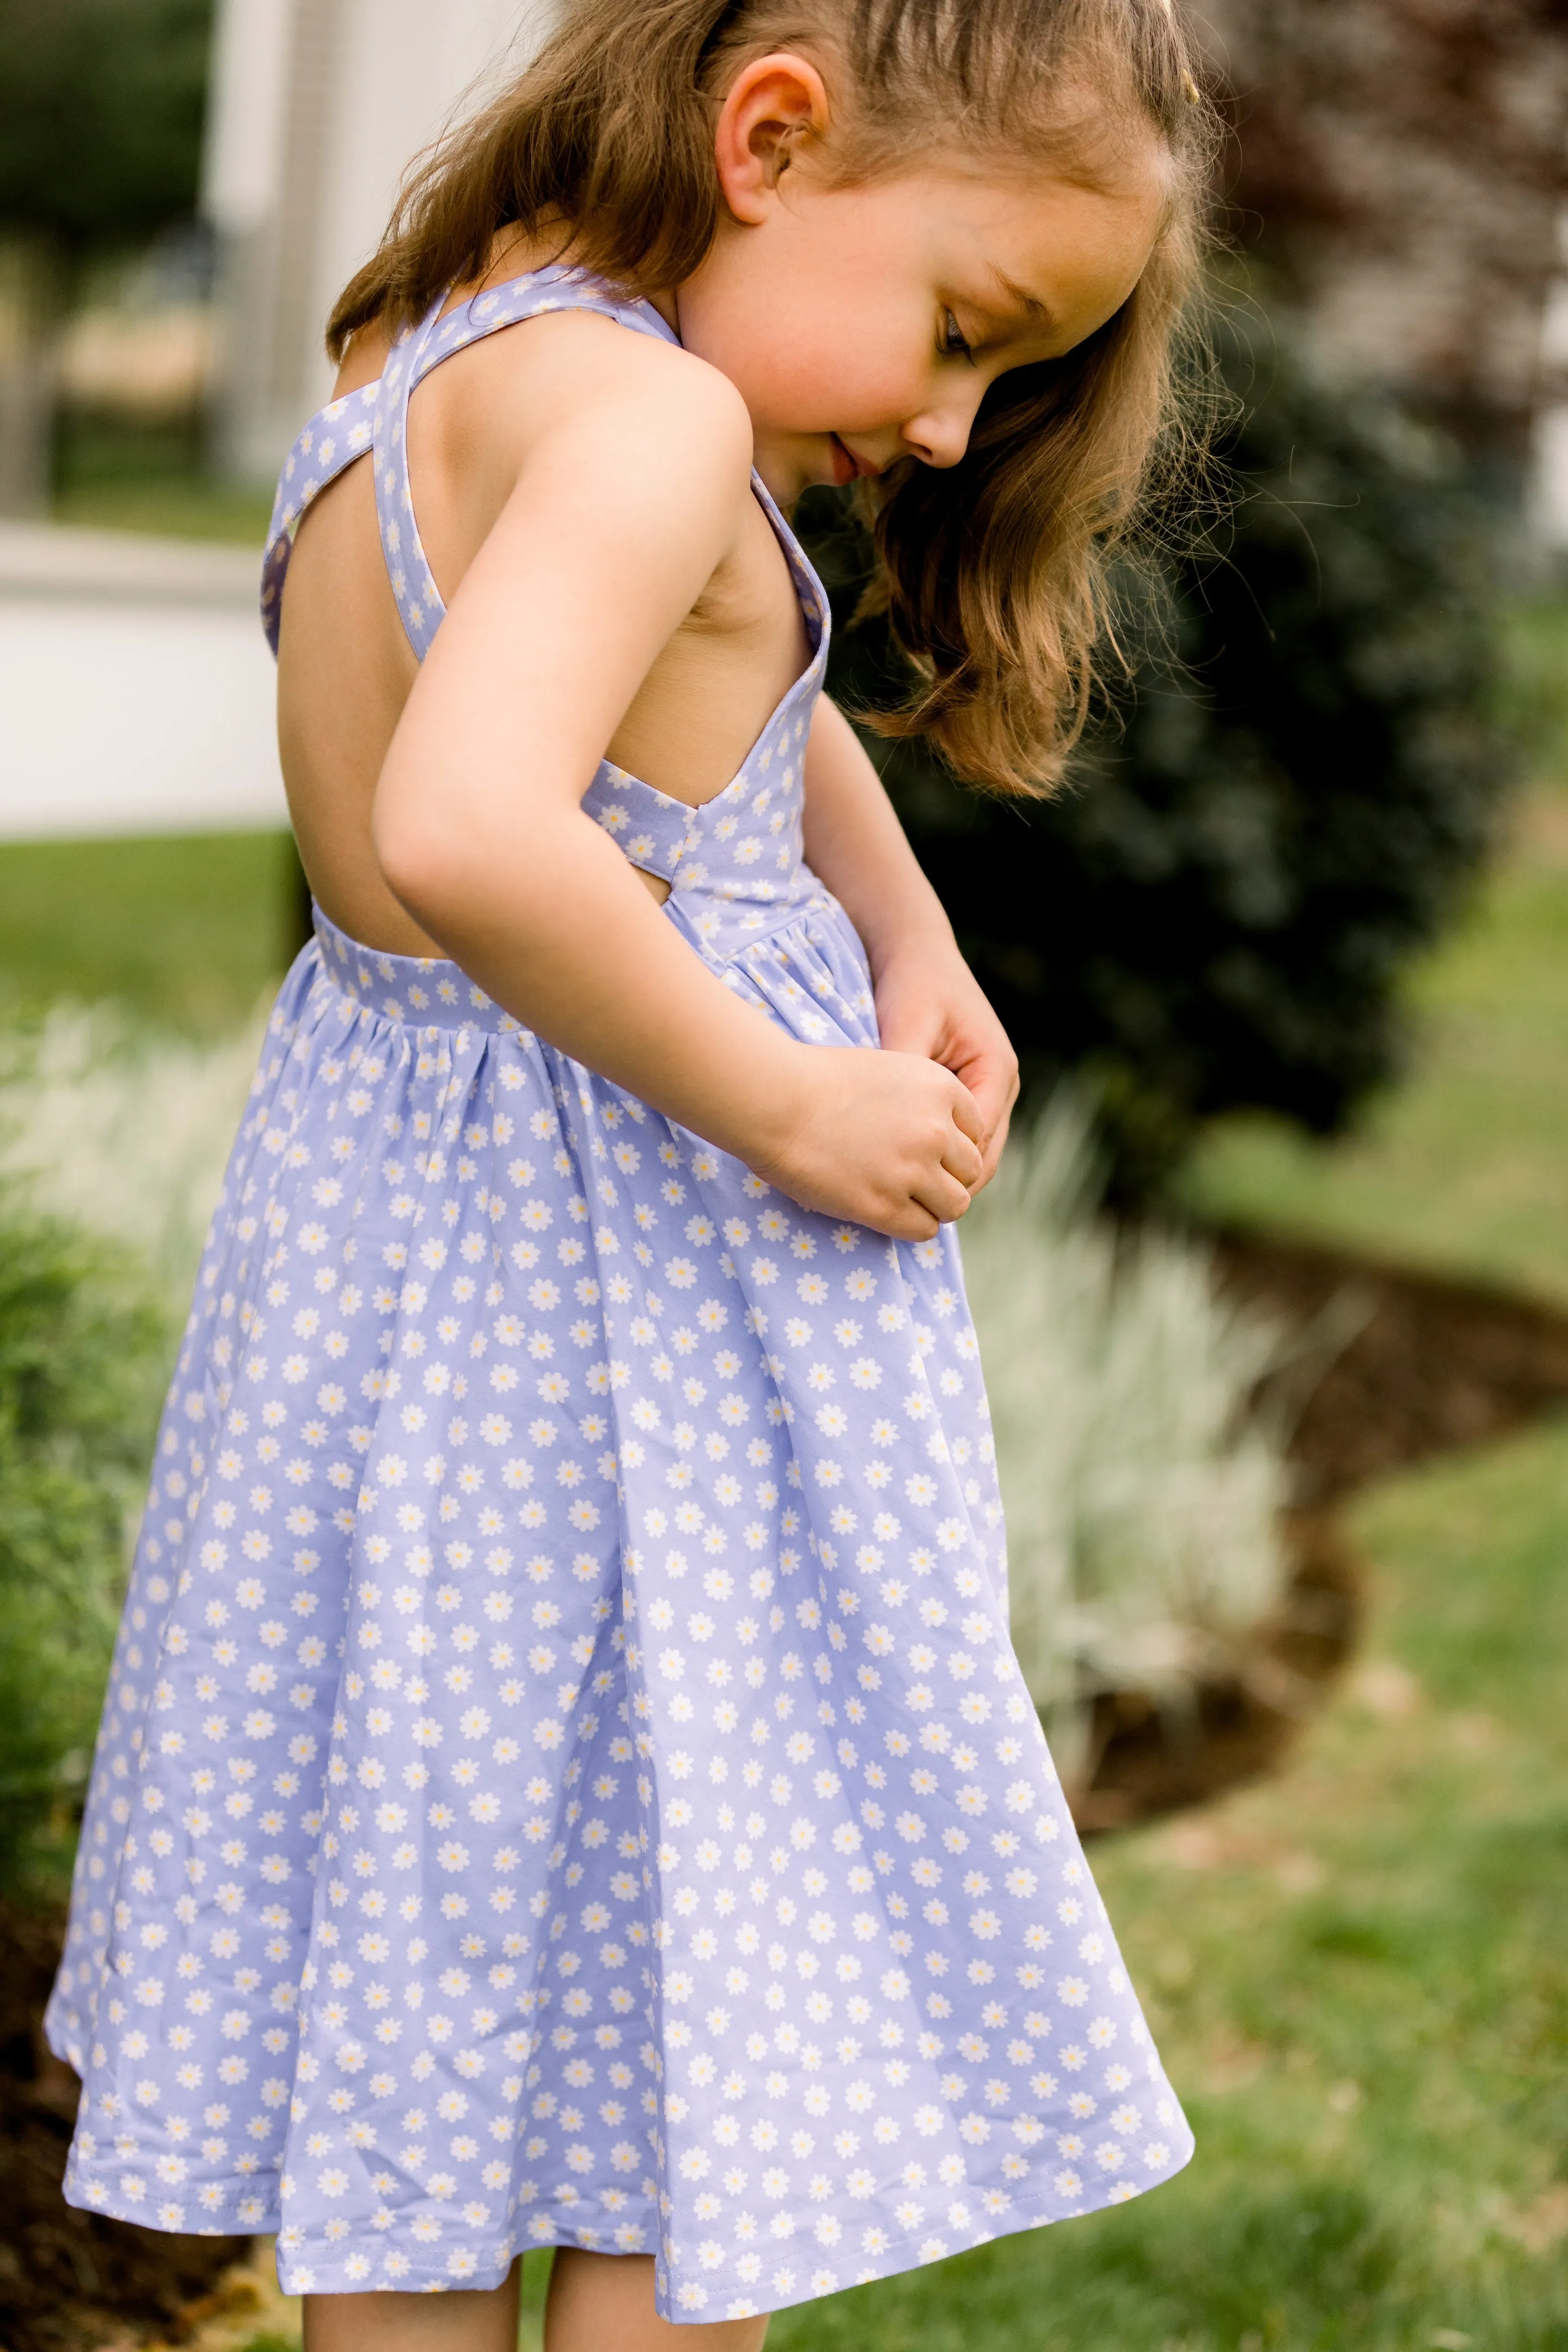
<point>566,1781</point>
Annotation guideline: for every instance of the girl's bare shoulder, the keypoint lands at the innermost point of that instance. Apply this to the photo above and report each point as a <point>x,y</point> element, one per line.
<point>364,360</point>
<point>566,373</point>
<point>571,372</point>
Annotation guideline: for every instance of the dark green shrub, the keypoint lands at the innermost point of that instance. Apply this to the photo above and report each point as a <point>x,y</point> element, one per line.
<point>80,1356</point>
<point>1284,809</point>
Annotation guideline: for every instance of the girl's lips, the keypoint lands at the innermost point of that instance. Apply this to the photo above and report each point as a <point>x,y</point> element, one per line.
<point>847,465</point>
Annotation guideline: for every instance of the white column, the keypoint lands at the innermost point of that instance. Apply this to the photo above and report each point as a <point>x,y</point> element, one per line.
<point>317,107</point>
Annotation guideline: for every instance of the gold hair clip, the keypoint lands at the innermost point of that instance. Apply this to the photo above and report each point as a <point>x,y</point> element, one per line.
<point>1190,90</point>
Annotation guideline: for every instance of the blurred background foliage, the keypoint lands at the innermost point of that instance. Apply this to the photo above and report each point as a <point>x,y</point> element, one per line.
<point>82,1361</point>
<point>1279,808</point>
<point>101,107</point>
<point>1286,803</point>
<point>1399,168</point>
<point>113,1135</point>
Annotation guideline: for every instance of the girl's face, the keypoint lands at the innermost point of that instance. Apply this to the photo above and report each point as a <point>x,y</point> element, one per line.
<point>864,324</point>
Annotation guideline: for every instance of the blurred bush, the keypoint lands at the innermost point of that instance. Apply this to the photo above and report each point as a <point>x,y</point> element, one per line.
<point>80,1352</point>
<point>1282,810</point>
<point>113,1142</point>
<point>1143,1484</point>
<point>124,1131</point>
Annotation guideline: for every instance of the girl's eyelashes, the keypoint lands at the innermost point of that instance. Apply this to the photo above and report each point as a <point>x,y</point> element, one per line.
<point>954,343</point>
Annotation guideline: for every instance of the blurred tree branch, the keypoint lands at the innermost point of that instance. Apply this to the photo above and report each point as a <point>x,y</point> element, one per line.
<point>1400,167</point>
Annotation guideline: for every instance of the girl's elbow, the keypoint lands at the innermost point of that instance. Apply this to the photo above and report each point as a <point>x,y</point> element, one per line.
<point>419,858</point>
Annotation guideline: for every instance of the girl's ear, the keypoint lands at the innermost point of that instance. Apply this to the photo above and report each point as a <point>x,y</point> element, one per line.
<point>774,107</point>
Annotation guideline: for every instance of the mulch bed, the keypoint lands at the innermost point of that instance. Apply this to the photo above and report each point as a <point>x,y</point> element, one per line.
<point>1430,1365</point>
<point>1433,1365</point>
<point>1421,1365</point>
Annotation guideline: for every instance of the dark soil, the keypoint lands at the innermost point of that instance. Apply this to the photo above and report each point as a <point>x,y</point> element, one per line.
<point>1432,1364</point>
<point>1148,1763</point>
<point>1396,1366</point>
<point>70,2279</point>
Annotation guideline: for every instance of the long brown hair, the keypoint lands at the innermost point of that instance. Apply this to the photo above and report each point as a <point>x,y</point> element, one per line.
<point>994,571</point>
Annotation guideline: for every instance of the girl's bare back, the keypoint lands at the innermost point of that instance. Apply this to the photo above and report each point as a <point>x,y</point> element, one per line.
<point>345,665</point>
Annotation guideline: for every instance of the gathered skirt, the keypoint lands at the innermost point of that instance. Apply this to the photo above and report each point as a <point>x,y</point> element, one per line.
<point>565,1778</point>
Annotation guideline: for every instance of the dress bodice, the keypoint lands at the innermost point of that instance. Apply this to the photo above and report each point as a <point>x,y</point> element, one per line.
<point>736,860</point>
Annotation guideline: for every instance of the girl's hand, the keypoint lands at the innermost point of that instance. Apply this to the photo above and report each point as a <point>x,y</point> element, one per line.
<point>928,1000</point>
<point>930,1003</point>
<point>889,1140</point>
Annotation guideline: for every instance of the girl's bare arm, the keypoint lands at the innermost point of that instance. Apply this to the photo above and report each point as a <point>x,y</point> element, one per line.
<point>928,1000</point>
<point>626,501</point>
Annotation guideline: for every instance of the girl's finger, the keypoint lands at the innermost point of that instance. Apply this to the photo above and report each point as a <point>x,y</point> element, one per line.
<point>994,1148</point>
<point>943,1195</point>
<point>965,1159</point>
<point>911,1224</point>
<point>992,1077</point>
<point>968,1115</point>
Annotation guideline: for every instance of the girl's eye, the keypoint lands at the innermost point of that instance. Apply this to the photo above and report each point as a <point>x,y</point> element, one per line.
<point>953,342</point>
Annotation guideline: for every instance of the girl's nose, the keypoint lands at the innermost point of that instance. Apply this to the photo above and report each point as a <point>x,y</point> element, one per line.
<point>939,436</point>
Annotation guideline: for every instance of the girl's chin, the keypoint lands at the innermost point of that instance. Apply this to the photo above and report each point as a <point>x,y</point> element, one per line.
<point>817,462</point>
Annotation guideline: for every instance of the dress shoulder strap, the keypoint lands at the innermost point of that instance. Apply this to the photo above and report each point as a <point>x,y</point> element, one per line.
<point>441,337</point>
<point>333,438</point>
<point>375,418</point>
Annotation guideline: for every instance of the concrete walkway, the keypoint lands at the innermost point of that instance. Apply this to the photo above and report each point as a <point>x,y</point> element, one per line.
<point>136,689</point>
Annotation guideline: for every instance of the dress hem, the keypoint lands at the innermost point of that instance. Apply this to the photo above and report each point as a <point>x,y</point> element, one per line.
<point>694,2301</point>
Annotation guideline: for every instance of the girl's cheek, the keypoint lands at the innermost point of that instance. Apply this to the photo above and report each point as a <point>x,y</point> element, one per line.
<point>845,379</point>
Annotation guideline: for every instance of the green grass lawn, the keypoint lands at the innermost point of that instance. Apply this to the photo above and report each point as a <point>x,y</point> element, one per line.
<point>188,931</point>
<point>173,510</point>
<point>1465,1165</point>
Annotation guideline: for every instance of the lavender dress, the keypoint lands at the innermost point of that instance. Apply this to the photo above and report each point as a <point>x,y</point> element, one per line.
<point>565,1779</point>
